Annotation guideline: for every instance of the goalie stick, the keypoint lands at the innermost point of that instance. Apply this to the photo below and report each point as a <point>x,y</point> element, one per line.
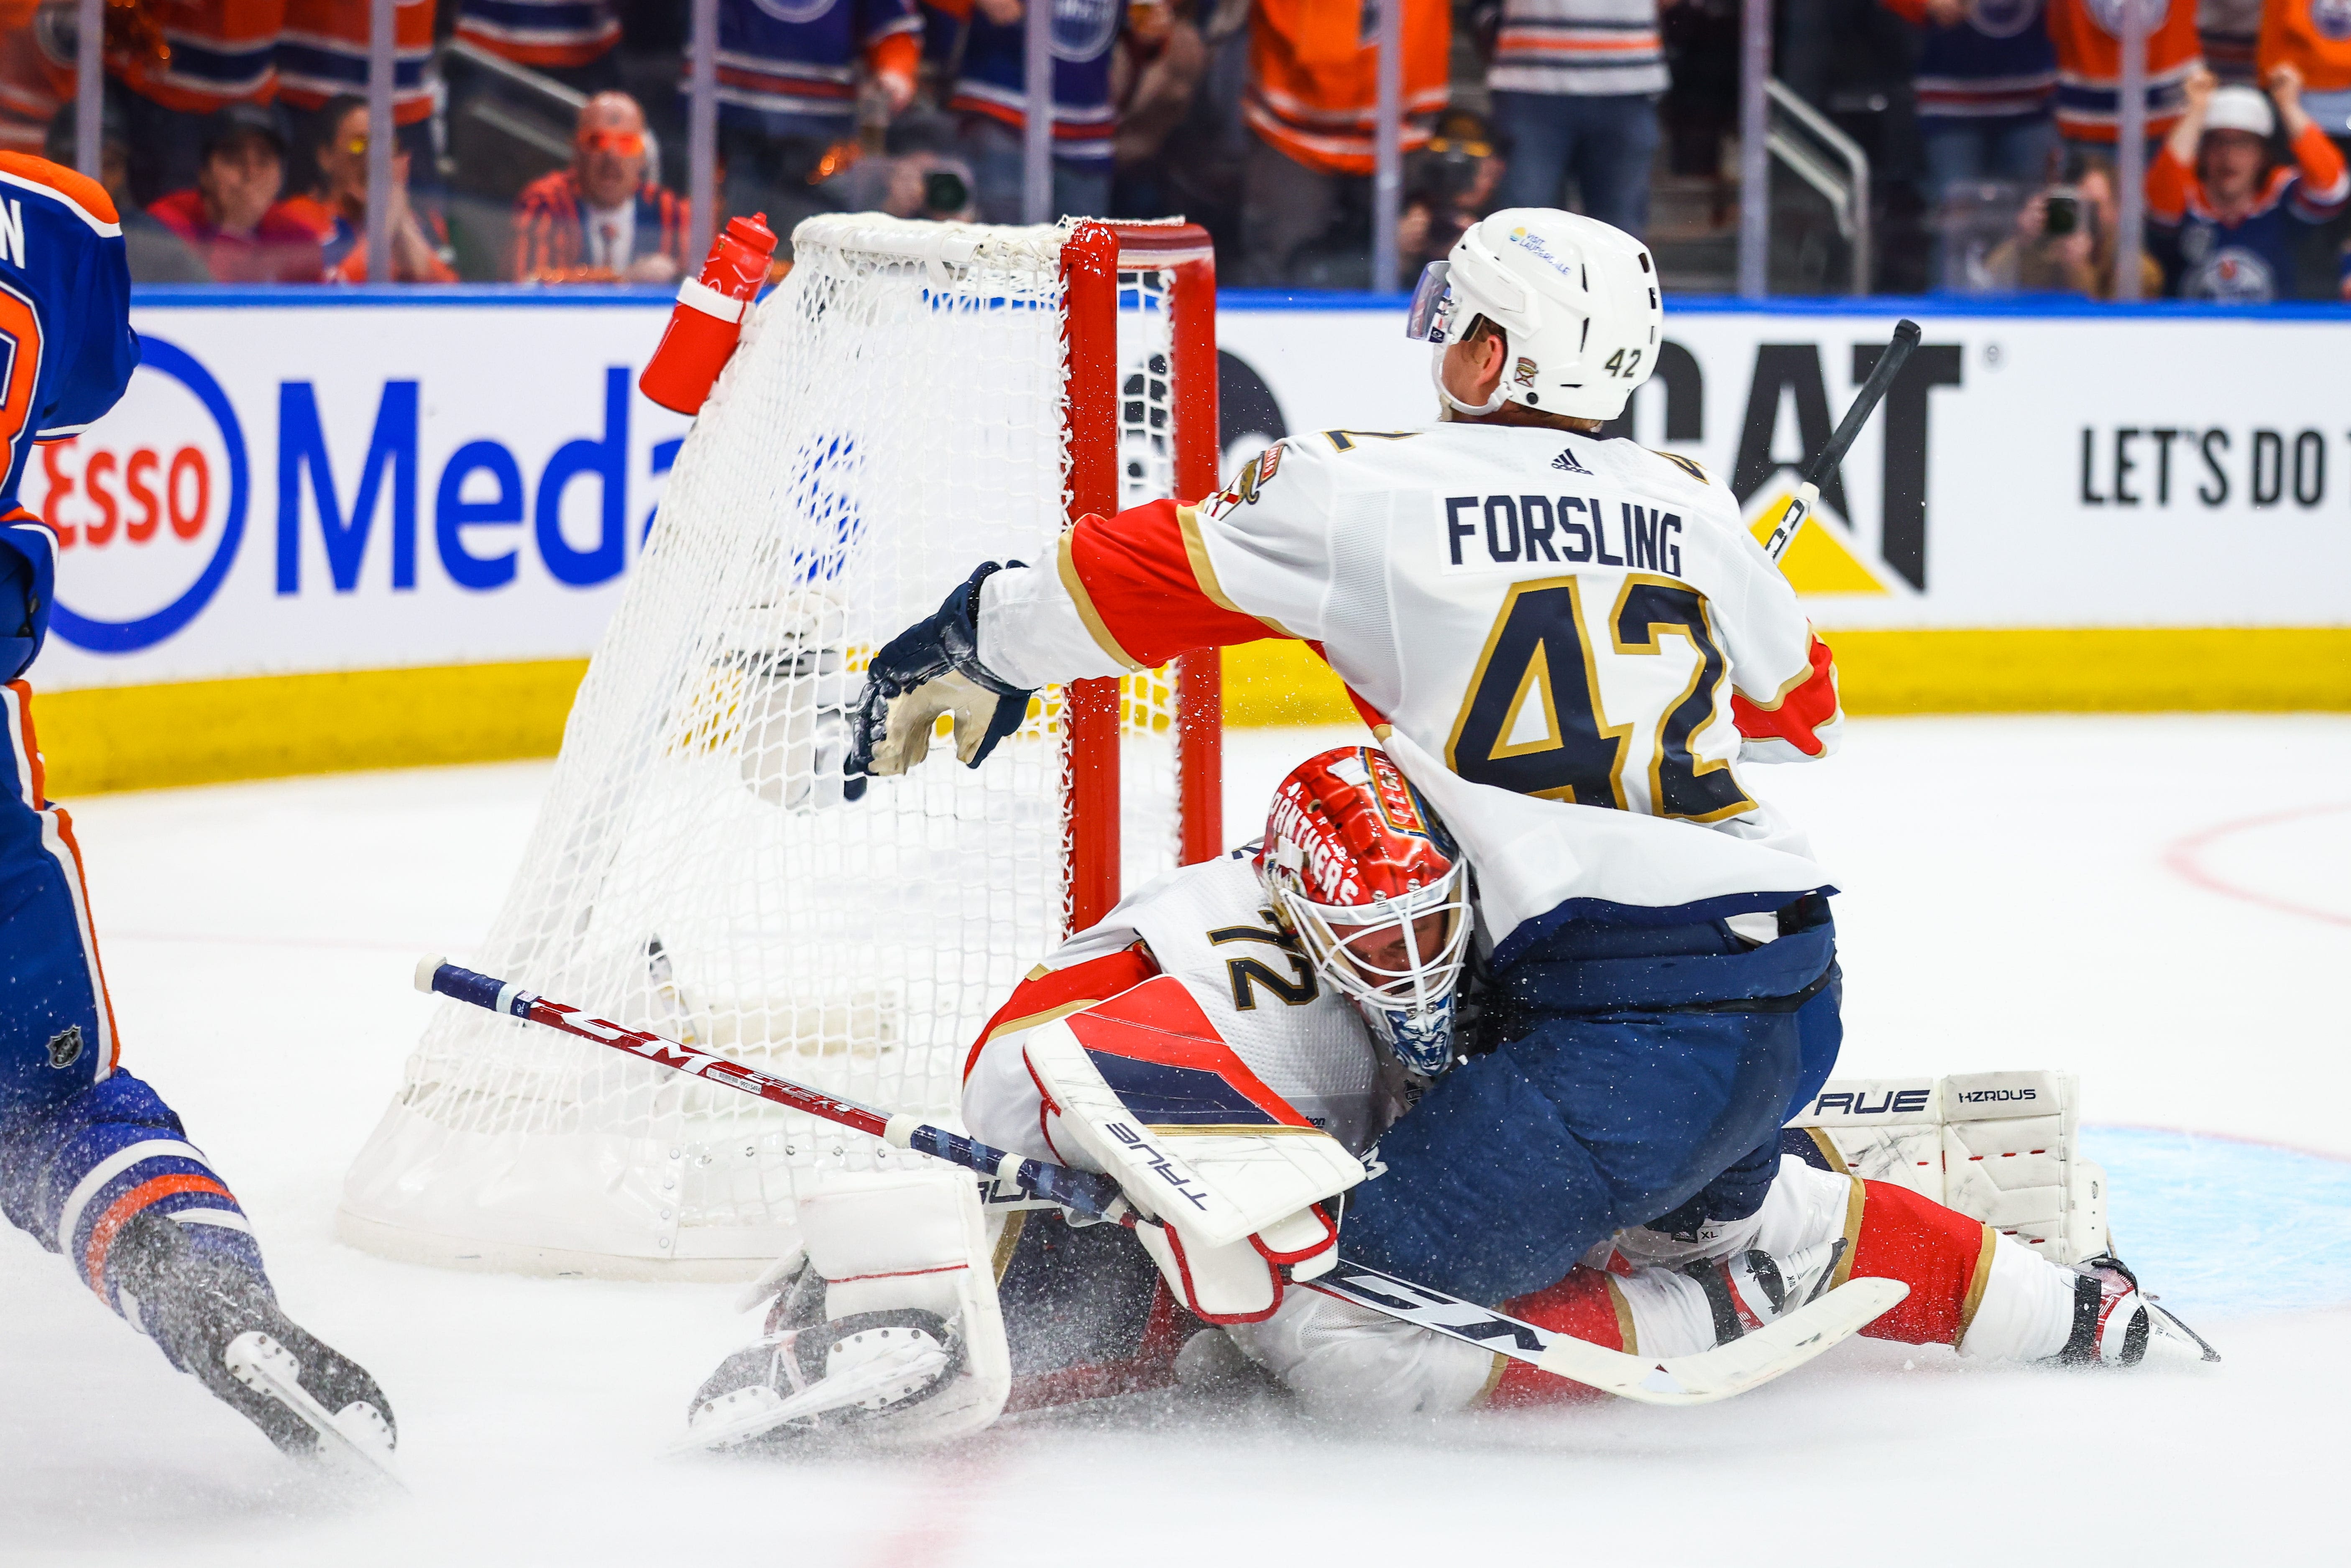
<point>1864,402</point>
<point>1782,1345</point>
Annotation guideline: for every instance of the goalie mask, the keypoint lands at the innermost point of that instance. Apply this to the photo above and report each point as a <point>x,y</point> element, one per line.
<point>1374,888</point>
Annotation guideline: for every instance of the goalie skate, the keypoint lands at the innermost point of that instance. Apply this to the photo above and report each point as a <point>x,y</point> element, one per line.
<point>833,1375</point>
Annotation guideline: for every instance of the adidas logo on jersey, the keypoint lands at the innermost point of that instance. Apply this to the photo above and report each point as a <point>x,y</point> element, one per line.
<point>1566,459</point>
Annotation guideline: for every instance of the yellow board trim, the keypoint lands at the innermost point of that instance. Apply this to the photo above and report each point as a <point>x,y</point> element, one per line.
<point>270,726</point>
<point>2267,669</point>
<point>209,732</point>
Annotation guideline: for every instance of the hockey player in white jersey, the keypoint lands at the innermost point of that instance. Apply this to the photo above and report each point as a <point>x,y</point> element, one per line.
<point>1570,644</point>
<point>1327,958</point>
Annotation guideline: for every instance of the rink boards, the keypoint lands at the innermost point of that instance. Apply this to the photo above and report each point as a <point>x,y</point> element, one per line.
<point>366,528</point>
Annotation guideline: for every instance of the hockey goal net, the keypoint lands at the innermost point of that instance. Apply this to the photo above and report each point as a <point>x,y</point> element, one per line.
<point>912,399</point>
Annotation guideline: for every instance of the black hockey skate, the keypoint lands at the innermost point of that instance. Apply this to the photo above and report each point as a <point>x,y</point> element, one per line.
<point>2115,1322</point>
<point>219,1321</point>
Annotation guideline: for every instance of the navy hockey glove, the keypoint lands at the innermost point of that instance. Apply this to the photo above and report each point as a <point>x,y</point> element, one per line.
<point>932,668</point>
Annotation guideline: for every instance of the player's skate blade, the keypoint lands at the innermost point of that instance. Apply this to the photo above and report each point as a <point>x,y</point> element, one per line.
<point>198,1304</point>
<point>2115,1324</point>
<point>853,1369</point>
<point>355,1439</point>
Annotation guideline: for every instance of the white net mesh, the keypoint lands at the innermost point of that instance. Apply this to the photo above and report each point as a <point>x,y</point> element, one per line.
<point>894,416</point>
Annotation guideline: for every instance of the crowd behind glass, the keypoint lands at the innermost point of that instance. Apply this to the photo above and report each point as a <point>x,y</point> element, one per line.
<point>544,140</point>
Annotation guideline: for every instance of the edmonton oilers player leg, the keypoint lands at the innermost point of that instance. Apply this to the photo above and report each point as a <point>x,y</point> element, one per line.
<point>1570,644</point>
<point>93,1164</point>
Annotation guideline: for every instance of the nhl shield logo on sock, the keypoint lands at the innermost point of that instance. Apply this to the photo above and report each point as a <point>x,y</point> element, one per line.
<point>1566,459</point>
<point>65,1046</point>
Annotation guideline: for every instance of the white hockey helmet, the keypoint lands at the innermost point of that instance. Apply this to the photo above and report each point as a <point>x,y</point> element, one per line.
<point>1576,300</point>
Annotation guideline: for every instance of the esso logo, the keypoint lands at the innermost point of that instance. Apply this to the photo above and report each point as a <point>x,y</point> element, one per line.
<point>148,506</point>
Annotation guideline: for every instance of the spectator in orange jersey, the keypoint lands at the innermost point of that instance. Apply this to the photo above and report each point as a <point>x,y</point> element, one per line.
<point>182,61</point>
<point>339,211</point>
<point>2087,34</point>
<point>233,217</point>
<point>602,220</point>
<point>2239,214</point>
<point>571,40</point>
<point>33,83</point>
<point>2313,36</point>
<point>322,55</point>
<point>1311,99</point>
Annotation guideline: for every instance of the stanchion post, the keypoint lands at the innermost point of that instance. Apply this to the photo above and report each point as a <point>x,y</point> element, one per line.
<point>383,35</point>
<point>1754,149</point>
<point>2130,152</point>
<point>702,132</point>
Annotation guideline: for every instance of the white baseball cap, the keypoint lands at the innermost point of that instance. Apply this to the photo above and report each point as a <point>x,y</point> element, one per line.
<point>2240,109</point>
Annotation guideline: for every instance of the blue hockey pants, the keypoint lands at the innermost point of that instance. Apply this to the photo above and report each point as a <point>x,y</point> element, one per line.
<point>1643,1074</point>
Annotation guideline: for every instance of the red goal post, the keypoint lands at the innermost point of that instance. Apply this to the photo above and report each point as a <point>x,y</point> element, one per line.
<point>1094,261</point>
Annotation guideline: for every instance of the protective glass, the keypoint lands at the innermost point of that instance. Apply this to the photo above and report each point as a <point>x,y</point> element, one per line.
<point>1431,304</point>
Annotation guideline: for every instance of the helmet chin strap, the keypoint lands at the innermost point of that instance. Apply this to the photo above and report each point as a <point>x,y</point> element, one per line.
<point>1453,405</point>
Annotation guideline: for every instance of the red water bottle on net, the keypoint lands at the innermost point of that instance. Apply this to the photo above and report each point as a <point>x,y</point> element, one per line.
<point>708,317</point>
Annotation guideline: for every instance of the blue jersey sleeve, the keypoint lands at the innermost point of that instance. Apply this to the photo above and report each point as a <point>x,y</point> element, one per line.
<point>27,574</point>
<point>107,350</point>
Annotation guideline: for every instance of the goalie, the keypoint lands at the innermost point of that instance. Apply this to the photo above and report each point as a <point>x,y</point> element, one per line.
<point>1267,1016</point>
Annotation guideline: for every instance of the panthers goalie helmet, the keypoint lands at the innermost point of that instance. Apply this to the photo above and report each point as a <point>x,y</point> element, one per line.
<point>1371,883</point>
<point>1576,300</point>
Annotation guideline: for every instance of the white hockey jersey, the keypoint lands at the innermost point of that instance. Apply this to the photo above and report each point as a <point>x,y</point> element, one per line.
<point>1568,642</point>
<point>1210,926</point>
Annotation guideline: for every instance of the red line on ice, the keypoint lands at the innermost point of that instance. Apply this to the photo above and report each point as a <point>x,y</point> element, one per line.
<point>2182,858</point>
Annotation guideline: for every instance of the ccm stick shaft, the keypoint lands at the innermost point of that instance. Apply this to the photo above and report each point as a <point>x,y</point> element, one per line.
<point>1864,404</point>
<point>1757,1357</point>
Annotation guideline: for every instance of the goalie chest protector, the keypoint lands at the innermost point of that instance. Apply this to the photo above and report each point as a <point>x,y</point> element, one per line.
<point>1212,926</point>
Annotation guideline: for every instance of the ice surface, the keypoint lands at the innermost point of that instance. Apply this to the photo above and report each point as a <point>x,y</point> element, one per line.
<point>2014,898</point>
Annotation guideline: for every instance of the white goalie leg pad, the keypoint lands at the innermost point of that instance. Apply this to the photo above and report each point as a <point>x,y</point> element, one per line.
<point>917,1238</point>
<point>1999,1147</point>
<point>1344,1360</point>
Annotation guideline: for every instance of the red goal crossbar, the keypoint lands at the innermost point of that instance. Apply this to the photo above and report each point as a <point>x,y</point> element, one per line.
<point>1090,263</point>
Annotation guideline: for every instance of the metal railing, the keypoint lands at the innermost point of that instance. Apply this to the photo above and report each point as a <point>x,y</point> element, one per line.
<point>1811,146</point>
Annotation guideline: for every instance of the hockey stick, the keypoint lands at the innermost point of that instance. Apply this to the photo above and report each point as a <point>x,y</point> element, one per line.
<point>1757,1357</point>
<point>1864,404</point>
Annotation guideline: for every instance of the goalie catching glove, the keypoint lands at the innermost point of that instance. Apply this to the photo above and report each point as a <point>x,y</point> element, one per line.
<point>929,669</point>
<point>1227,1179</point>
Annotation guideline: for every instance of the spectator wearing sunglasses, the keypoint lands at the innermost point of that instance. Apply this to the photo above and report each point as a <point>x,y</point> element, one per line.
<point>602,220</point>
<point>322,56</point>
<point>1575,85</point>
<point>419,243</point>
